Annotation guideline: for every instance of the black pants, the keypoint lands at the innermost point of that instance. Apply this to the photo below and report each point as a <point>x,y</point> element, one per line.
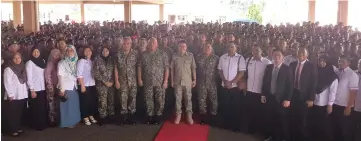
<point>299,118</point>
<point>341,124</point>
<point>254,113</point>
<point>277,119</point>
<point>88,102</point>
<point>232,108</point>
<point>356,126</point>
<point>320,124</point>
<point>38,110</point>
<point>13,111</point>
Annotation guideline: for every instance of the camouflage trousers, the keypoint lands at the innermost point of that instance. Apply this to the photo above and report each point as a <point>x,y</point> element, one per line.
<point>105,101</point>
<point>154,97</point>
<point>207,93</point>
<point>127,96</point>
<point>183,93</point>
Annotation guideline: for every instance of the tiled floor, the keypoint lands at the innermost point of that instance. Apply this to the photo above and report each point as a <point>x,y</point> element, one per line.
<point>139,132</point>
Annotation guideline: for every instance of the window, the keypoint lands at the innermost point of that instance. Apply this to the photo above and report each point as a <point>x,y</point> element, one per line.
<point>55,12</point>
<point>150,13</point>
<point>103,12</point>
<point>354,14</point>
<point>326,11</point>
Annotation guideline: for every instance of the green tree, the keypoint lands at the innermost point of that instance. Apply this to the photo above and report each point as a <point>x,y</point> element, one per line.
<point>255,12</point>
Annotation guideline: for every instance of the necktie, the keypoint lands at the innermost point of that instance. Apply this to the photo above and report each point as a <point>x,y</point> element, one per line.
<point>274,80</point>
<point>297,75</point>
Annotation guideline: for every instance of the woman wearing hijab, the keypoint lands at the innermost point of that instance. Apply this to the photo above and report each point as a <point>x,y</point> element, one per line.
<point>104,74</point>
<point>51,81</point>
<point>15,96</point>
<point>36,83</point>
<point>87,91</point>
<point>69,105</point>
<point>325,96</point>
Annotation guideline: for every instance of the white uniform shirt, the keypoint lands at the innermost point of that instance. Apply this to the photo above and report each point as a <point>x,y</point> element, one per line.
<point>328,96</point>
<point>348,80</point>
<point>358,97</point>
<point>36,77</point>
<point>67,81</point>
<point>256,70</point>
<point>84,68</point>
<point>289,59</point>
<point>230,65</point>
<point>13,87</point>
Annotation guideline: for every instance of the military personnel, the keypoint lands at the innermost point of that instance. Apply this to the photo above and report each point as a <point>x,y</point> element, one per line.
<point>183,72</point>
<point>126,81</point>
<point>207,85</point>
<point>154,70</point>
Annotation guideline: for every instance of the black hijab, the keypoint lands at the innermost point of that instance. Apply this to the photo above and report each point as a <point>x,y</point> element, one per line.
<point>19,69</point>
<point>106,59</point>
<point>38,61</point>
<point>326,75</point>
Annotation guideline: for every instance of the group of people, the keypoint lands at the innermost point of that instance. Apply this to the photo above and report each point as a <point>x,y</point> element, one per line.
<point>288,82</point>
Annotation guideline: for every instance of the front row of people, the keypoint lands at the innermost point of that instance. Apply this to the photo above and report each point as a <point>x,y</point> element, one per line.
<point>291,98</point>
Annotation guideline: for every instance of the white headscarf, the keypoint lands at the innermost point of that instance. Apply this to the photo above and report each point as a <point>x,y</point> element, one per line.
<point>69,62</point>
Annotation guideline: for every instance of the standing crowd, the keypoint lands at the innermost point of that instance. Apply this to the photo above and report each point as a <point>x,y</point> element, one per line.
<point>287,83</point>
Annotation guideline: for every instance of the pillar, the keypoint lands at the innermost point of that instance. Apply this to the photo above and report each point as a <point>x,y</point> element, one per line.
<point>31,16</point>
<point>16,13</point>
<point>128,11</point>
<point>161,12</point>
<point>82,14</point>
<point>311,10</point>
<point>342,13</point>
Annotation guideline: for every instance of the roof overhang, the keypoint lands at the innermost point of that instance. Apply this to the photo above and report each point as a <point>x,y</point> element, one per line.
<point>97,1</point>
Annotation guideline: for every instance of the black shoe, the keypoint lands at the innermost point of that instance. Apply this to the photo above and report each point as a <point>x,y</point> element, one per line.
<point>149,120</point>
<point>16,134</point>
<point>131,119</point>
<point>203,119</point>
<point>236,130</point>
<point>101,121</point>
<point>121,121</point>
<point>53,124</point>
<point>213,120</point>
<point>269,139</point>
<point>156,120</point>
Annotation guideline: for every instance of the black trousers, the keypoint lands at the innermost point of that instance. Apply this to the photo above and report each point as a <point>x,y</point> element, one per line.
<point>299,118</point>
<point>276,119</point>
<point>232,109</point>
<point>13,111</point>
<point>255,112</point>
<point>356,126</point>
<point>341,124</point>
<point>320,124</point>
<point>88,102</point>
<point>38,111</point>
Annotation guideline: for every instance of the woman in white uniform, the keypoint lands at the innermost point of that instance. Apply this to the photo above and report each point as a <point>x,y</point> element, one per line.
<point>325,96</point>
<point>15,96</point>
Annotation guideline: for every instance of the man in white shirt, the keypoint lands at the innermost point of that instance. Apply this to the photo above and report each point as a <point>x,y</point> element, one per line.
<point>231,69</point>
<point>293,56</point>
<point>255,68</point>
<point>345,99</point>
<point>357,111</point>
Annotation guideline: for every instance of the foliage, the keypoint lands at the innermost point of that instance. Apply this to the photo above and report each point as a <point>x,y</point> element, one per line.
<point>252,9</point>
<point>255,12</point>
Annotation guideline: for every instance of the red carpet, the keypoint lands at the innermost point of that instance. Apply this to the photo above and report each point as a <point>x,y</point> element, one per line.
<point>182,132</point>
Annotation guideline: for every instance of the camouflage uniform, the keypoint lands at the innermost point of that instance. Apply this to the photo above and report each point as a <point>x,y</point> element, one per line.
<point>126,65</point>
<point>206,82</point>
<point>153,69</point>
<point>103,71</point>
<point>182,67</point>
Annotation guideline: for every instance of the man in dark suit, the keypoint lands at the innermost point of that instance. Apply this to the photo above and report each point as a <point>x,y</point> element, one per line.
<point>277,93</point>
<point>305,80</point>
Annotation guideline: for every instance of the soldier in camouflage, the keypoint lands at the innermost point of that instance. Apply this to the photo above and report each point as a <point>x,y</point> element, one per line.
<point>153,71</point>
<point>207,85</point>
<point>126,81</point>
